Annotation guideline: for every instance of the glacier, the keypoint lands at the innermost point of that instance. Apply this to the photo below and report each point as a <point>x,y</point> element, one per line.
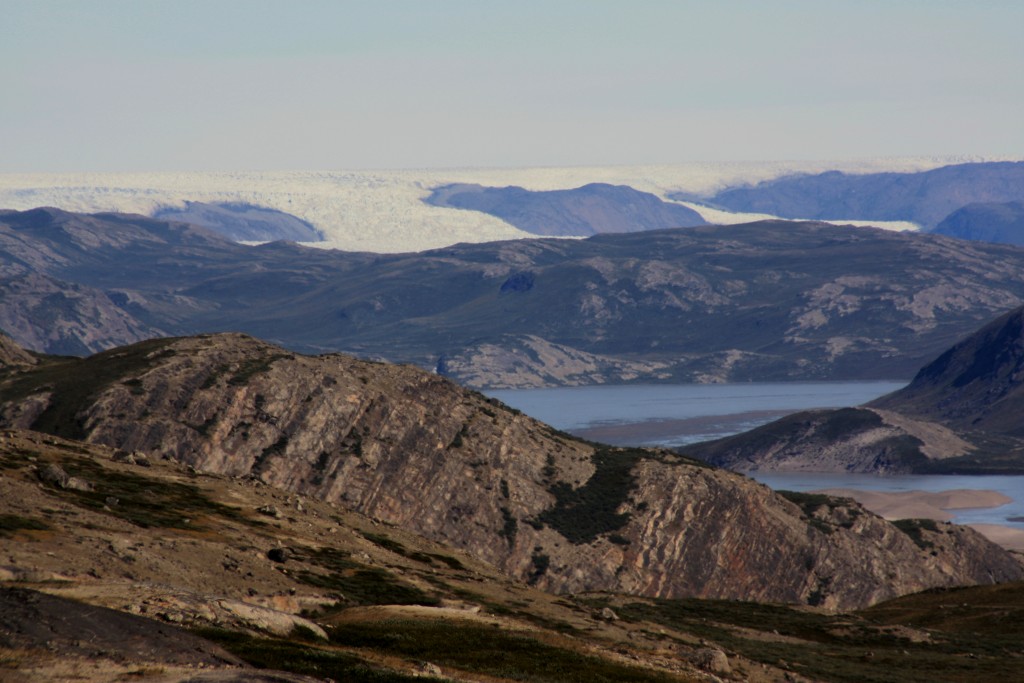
<point>382,210</point>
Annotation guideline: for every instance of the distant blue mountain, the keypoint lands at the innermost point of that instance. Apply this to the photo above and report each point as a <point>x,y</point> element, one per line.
<point>924,198</point>
<point>587,210</point>
<point>1001,223</point>
<point>242,222</point>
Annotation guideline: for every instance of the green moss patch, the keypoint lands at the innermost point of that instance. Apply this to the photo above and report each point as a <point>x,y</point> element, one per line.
<point>146,502</point>
<point>11,524</point>
<point>415,555</point>
<point>302,658</point>
<point>914,529</point>
<point>854,648</point>
<point>584,513</point>
<point>369,586</point>
<point>254,366</point>
<point>485,650</point>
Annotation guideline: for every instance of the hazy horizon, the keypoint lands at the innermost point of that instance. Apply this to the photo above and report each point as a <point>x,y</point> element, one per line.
<point>121,86</point>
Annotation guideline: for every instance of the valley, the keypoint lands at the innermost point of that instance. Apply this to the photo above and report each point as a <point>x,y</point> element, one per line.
<point>312,513</point>
<point>541,342</point>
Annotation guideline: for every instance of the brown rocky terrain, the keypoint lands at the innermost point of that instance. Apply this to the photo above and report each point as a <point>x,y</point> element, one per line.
<point>414,450</point>
<point>142,570</point>
<point>147,548</point>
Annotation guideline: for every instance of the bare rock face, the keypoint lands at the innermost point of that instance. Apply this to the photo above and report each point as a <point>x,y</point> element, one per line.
<point>417,451</point>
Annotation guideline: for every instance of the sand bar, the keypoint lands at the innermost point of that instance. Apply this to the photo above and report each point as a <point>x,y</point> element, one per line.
<point>650,431</point>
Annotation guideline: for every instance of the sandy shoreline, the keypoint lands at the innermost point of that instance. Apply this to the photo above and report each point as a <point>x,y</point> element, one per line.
<point>648,431</point>
<point>936,505</point>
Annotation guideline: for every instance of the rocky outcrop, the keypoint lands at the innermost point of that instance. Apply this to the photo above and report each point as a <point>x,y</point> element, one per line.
<point>417,451</point>
<point>858,440</point>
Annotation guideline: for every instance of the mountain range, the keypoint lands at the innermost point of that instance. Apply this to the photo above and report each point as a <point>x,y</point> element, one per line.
<point>383,211</point>
<point>315,516</point>
<point>765,301</point>
<point>925,197</point>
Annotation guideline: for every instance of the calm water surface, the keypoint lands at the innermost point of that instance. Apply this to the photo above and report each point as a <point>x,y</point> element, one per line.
<point>675,415</point>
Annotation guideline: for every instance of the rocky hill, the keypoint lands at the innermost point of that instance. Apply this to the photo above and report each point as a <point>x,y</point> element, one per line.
<point>977,385</point>
<point>417,451</point>
<point>136,568</point>
<point>924,197</point>
<point>763,301</point>
<point>987,222</point>
<point>587,210</point>
<point>961,413</point>
<point>132,551</point>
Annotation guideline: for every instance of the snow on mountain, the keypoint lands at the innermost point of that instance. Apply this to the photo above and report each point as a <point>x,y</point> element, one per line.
<point>383,211</point>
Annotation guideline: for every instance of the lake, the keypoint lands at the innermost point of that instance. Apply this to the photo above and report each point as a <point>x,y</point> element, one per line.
<point>678,414</point>
<point>675,415</point>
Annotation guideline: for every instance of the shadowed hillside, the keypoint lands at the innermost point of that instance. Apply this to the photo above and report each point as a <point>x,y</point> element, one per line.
<point>587,210</point>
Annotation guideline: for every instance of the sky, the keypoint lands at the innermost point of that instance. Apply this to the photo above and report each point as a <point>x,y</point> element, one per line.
<point>179,85</point>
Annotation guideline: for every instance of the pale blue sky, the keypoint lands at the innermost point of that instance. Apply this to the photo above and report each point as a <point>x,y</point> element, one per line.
<point>139,85</point>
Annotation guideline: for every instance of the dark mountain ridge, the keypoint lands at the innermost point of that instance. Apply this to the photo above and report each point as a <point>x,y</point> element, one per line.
<point>978,384</point>
<point>960,414</point>
<point>762,301</point>
<point>924,198</point>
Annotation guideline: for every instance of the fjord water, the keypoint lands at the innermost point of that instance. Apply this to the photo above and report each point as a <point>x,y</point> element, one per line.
<point>676,415</point>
